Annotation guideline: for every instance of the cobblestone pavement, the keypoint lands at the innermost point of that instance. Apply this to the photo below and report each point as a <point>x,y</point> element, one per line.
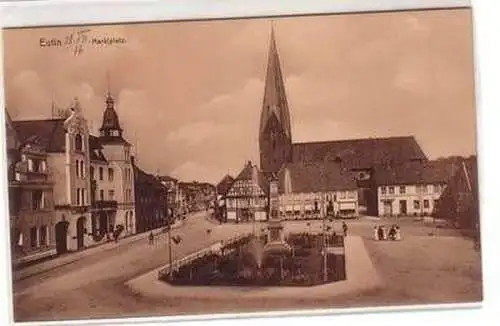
<point>423,268</point>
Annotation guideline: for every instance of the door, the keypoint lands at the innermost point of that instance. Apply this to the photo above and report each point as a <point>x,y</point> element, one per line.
<point>80,230</point>
<point>387,208</point>
<point>403,209</point>
<point>61,237</point>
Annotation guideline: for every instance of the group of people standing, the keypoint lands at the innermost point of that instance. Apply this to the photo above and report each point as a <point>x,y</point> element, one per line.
<point>380,233</point>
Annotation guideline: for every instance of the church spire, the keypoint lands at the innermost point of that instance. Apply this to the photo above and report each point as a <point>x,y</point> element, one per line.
<point>275,135</point>
<point>275,100</point>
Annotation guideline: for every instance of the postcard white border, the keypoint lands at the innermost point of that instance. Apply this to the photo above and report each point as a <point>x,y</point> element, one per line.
<point>35,13</point>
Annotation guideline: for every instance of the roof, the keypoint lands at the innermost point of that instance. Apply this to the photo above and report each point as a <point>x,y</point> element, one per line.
<point>168,178</point>
<point>247,173</point>
<point>411,173</point>
<point>275,102</point>
<point>50,133</point>
<point>143,178</point>
<point>225,184</point>
<point>110,118</point>
<point>95,149</point>
<point>315,177</point>
<point>360,153</point>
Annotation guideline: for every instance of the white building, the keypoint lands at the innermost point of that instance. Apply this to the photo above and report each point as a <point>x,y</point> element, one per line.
<point>313,190</point>
<point>410,189</point>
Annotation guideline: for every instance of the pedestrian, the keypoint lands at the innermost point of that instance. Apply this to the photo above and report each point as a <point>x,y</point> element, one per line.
<point>345,228</point>
<point>392,233</point>
<point>375,233</point>
<point>151,238</point>
<point>398,233</point>
<point>380,233</point>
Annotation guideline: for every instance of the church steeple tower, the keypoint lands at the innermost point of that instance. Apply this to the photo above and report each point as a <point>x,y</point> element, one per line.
<point>275,134</point>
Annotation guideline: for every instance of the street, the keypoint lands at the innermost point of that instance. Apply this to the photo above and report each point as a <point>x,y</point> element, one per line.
<point>94,286</point>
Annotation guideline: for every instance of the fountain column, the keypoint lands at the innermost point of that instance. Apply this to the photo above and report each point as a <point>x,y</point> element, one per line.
<point>275,227</point>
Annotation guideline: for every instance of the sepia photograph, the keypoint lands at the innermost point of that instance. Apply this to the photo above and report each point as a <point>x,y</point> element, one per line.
<point>226,166</point>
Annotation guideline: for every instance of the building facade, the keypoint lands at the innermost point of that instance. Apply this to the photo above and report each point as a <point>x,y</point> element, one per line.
<point>117,178</point>
<point>87,180</point>
<point>151,203</point>
<point>459,202</point>
<point>411,189</point>
<point>31,202</point>
<point>316,190</point>
<point>247,198</point>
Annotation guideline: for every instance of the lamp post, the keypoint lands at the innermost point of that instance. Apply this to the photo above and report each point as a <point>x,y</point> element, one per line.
<point>169,249</point>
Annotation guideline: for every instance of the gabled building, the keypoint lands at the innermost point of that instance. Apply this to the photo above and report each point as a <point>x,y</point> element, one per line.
<point>459,202</point>
<point>247,198</point>
<point>90,179</point>
<point>317,189</point>
<point>222,188</point>
<point>65,142</point>
<point>31,202</point>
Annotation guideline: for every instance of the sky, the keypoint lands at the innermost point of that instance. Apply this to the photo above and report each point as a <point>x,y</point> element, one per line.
<point>189,94</point>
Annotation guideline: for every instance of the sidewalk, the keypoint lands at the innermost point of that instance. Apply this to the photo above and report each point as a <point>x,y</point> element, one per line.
<point>45,266</point>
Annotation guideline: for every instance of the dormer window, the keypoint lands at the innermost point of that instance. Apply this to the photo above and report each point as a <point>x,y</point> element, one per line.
<point>78,142</point>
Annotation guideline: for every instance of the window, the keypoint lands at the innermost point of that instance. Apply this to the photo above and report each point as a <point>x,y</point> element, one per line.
<point>43,235</point>
<point>82,170</point>
<point>84,194</point>
<point>416,204</point>
<point>78,196</point>
<point>37,200</point>
<point>435,203</point>
<point>92,176</point>
<point>437,188</point>
<point>110,175</point>
<point>78,142</point>
<point>402,190</point>
<point>101,173</point>
<point>111,194</point>
<point>77,165</point>
<point>383,190</point>
<point>34,237</point>
<point>101,194</point>
<point>424,189</point>
<point>391,190</point>
<point>426,203</point>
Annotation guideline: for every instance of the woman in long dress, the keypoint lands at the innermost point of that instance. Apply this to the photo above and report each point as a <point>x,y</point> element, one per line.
<point>398,233</point>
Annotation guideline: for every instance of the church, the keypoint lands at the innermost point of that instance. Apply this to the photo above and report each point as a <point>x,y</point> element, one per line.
<point>356,158</point>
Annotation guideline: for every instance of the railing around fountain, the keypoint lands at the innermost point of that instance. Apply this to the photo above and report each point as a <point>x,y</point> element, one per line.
<point>213,249</point>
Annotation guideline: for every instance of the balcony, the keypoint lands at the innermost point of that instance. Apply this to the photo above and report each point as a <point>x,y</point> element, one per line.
<point>105,204</point>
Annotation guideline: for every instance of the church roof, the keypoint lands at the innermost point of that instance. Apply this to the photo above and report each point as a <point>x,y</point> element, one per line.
<point>314,177</point>
<point>360,153</point>
<point>275,101</point>
<point>50,133</point>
